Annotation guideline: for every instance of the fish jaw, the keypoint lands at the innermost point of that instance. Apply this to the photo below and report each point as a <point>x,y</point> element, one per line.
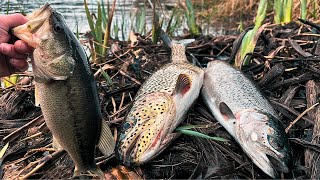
<point>145,132</point>
<point>264,140</point>
<point>36,19</point>
<point>45,29</point>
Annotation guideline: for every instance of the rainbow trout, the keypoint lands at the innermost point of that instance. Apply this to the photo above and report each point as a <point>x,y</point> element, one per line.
<point>159,107</point>
<point>248,116</point>
<point>65,89</point>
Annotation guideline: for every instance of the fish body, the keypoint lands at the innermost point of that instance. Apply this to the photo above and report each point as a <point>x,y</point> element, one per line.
<point>65,87</point>
<point>247,115</point>
<point>159,107</point>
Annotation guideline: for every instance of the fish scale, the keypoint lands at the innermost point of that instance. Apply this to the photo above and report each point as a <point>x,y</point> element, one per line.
<point>159,107</point>
<point>66,90</point>
<point>248,116</point>
<point>231,87</point>
<point>165,79</point>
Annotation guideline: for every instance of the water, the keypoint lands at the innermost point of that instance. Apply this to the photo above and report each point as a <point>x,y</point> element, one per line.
<point>74,13</point>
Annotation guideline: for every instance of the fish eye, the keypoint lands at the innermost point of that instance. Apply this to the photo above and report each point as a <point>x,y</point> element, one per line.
<point>57,27</point>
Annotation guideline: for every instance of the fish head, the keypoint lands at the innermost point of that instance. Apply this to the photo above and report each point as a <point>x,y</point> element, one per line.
<point>263,138</point>
<point>47,32</point>
<point>145,133</point>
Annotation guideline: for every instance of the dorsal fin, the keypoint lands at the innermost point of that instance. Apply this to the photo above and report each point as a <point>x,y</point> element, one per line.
<point>183,84</point>
<point>226,111</point>
<point>178,53</point>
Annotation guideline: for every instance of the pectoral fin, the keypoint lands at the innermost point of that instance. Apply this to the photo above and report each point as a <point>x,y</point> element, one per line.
<point>226,112</point>
<point>183,84</point>
<point>106,142</point>
<point>55,144</point>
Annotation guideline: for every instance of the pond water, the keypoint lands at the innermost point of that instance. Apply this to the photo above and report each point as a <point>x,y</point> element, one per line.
<point>74,12</point>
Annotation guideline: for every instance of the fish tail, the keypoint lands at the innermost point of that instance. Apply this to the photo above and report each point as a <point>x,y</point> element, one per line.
<point>178,53</point>
<point>96,172</point>
<point>106,142</point>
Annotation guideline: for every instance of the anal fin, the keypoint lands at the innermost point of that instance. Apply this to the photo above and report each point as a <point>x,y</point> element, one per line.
<point>55,144</point>
<point>106,142</point>
<point>36,97</point>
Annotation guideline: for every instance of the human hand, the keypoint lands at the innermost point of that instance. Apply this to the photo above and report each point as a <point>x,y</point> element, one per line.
<point>13,52</point>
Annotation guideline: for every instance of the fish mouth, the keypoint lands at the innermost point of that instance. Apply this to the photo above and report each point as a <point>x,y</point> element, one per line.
<point>155,148</point>
<point>146,131</point>
<point>263,138</point>
<point>269,163</point>
<point>36,19</point>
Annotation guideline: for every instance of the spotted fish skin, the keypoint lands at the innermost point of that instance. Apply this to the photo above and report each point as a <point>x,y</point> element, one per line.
<point>159,107</point>
<point>247,115</point>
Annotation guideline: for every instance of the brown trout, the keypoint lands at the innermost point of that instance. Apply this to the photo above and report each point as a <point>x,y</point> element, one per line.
<point>66,89</point>
<point>159,107</point>
<point>248,116</point>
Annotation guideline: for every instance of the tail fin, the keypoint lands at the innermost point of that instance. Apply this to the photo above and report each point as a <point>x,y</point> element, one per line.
<point>97,172</point>
<point>106,142</point>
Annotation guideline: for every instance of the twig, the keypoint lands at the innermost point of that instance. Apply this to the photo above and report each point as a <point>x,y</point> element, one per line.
<point>15,134</point>
<point>32,136</point>
<point>302,114</point>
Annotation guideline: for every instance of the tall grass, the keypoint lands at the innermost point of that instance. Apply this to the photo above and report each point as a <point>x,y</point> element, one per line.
<point>191,19</point>
<point>303,9</point>
<point>100,40</point>
<point>156,24</point>
<point>250,39</point>
<point>175,21</point>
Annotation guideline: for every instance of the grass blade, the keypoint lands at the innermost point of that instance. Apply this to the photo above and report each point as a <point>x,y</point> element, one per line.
<point>303,9</point>
<point>3,150</point>
<point>89,19</point>
<point>191,19</point>
<point>106,77</point>
<point>10,81</point>
<point>277,6</point>
<point>250,39</point>
<point>98,32</point>
<point>200,135</point>
<point>104,15</point>
<point>107,33</point>
<point>287,11</point>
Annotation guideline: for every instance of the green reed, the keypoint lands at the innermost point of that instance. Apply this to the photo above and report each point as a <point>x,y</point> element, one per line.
<point>191,19</point>
<point>250,39</point>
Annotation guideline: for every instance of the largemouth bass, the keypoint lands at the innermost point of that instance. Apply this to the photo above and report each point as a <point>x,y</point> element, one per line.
<point>159,107</point>
<point>65,89</point>
<point>248,116</point>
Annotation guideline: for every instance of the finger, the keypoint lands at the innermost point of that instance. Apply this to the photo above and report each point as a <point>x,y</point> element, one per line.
<point>22,47</point>
<point>9,50</point>
<point>7,22</point>
<point>12,20</point>
<point>19,64</point>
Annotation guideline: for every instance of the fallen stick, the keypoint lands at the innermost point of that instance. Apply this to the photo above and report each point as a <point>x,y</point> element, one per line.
<point>312,158</point>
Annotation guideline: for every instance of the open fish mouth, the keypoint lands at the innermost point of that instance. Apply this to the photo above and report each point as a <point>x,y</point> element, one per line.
<point>264,140</point>
<point>146,130</point>
<point>36,20</point>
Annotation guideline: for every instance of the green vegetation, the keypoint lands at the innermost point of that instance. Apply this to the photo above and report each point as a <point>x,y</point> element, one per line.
<point>250,39</point>
<point>303,9</point>
<point>187,15</point>
<point>186,131</point>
